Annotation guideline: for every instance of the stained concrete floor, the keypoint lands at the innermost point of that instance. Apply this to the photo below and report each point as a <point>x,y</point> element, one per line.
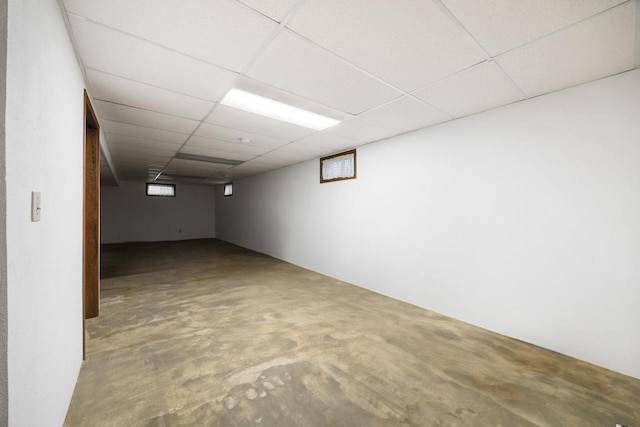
<point>203,333</point>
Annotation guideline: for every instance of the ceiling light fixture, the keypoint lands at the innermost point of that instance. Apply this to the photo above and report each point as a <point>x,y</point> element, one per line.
<point>257,104</point>
<point>187,156</point>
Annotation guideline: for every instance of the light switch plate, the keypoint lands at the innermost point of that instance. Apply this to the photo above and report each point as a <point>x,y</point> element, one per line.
<point>35,206</point>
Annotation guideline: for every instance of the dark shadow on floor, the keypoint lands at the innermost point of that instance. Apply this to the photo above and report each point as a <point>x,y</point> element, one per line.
<point>125,259</point>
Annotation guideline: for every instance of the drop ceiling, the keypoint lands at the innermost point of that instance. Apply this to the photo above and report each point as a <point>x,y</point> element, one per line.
<point>158,69</point>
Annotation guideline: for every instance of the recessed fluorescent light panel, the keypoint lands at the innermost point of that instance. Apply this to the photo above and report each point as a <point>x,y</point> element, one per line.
<point>257,104</point>
<point>196,157</point>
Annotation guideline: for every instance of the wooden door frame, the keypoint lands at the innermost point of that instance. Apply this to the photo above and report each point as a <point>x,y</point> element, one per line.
<point>90,216</point>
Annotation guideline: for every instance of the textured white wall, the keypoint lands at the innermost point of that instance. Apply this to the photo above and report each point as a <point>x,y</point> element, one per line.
<point>523,220</point>
<point>4,387</point>
<point>44,259</point>
<point>129,215</point>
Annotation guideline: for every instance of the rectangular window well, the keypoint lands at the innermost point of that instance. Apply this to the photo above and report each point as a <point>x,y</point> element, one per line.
<point>162,190</point>
<point>338,167</point>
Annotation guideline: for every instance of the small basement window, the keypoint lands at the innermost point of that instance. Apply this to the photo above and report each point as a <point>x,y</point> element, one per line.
<point>228,189</point>
<point>162,190</point>
<point>338,167</point>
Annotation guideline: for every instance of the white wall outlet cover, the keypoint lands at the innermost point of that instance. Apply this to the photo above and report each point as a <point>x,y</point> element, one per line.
<point>35,206</point>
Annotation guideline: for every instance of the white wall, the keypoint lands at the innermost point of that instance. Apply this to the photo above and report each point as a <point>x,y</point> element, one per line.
<point>44,124</point>
<point>4,387</point>
<point>524,220</point>
<point>129,215</point>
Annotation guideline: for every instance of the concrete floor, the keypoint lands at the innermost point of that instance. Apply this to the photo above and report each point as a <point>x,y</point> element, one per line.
<point>205,333</point>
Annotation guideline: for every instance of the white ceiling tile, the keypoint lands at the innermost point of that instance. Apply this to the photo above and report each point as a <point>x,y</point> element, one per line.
<point>234,135</point>
<point>592,49</point>
<point>152,169</point>
<point>122,150</point>
<point>256,164</point>
<point>181,179</point>
<point>235,174</point>
<point>212,152</point>
<point>133,142</point>
<point>107,87</point>
<point>140,162</point>
<point>329,141</point>
<point>133,164</point>
<point>124,169</point>
<point>361,130</point>
<point>270,163</point>
<point>250,166</point>
<point>140,156</point>
<point>222,32</point>
<point>476,89</point>
<point>406,114</point>
<point>304,69</point>
<point>396,42</point>
<point>502,25</point>
<point>126,129</point>
<point>285,156</point>
<point>216,179</point>
<point>231,147</point>
<point>254,123</point>
<point>309,150</point>
<point>138,159</point>
<point>138,116</point>
<point>135,59</point>
<point>274,9</point>
<point>194,167</point>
